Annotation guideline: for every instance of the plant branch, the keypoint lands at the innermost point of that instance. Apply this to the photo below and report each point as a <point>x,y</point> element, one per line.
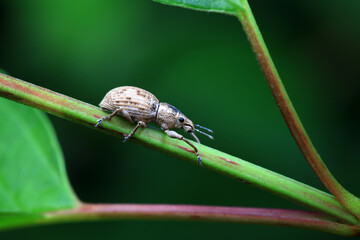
<point>86,114</point>
<point>292,218</point>
<point>99,212</point>
<point>349,201</point>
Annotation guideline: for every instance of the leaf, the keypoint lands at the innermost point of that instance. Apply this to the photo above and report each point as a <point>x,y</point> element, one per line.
<point>32,172</point>
<point>231,7</point>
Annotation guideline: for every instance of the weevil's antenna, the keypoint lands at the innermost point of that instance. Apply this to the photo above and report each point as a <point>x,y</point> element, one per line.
<point>194,136</point>
<point>207,129</point>
<point>208,135</point>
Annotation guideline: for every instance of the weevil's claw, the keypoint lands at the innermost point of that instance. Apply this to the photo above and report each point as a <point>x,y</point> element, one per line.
<point>99,121</point>
<point>199,160</point>
<point>125,139</point>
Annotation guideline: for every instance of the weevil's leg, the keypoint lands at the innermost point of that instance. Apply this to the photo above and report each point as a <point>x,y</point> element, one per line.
<point>174,134</point>
<point>109,117</point>
<point>195,149</point>
<point>139,124</point>
<point>123,113</point>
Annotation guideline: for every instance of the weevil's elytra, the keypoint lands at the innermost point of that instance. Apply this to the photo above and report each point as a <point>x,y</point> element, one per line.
<point>141,107</point>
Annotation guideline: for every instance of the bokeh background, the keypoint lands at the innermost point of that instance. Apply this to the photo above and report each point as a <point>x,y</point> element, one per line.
<point>202,64</point>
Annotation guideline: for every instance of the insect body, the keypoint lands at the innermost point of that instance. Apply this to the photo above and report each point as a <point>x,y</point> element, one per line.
<point>141,107</point>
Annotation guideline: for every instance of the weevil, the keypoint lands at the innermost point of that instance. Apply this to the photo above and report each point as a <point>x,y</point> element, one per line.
<point>139,106</point>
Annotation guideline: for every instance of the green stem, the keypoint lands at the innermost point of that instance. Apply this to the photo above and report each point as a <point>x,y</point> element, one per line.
<point>349,201</point>
<point>86,114</point>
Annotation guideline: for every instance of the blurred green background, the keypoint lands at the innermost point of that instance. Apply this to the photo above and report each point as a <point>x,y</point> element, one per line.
<point>202,64</point>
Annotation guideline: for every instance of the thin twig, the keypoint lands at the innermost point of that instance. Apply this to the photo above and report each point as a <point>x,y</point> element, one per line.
<point>289,114</point>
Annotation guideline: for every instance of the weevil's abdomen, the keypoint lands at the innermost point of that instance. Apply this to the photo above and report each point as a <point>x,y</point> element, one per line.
<point>139,103</point>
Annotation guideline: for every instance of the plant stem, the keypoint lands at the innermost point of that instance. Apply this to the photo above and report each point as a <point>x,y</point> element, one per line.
<point>349,201</point>
<point>86,114</point>
<point>289,218</point>
<point>308,220</point>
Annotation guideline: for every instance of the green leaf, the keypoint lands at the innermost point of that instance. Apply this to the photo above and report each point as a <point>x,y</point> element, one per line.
<point>32,173</point>
<point>231,7</point>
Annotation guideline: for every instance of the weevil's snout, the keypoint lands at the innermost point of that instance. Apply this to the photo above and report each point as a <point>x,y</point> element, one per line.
<point>186,124</point>
<point>188,128</point>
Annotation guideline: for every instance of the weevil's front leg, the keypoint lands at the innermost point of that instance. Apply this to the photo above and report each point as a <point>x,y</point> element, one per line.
<point>139,124</point>
<point>174,134</point>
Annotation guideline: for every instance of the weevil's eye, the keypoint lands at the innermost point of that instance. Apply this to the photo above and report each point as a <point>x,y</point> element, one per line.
<point>181,119</point>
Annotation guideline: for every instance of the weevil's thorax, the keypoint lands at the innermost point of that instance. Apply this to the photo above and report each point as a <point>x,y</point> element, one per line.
<point>166,116</point>
<point>169,117</point>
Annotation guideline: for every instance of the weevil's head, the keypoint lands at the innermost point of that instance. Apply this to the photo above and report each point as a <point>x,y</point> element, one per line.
<point>169,117</point>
